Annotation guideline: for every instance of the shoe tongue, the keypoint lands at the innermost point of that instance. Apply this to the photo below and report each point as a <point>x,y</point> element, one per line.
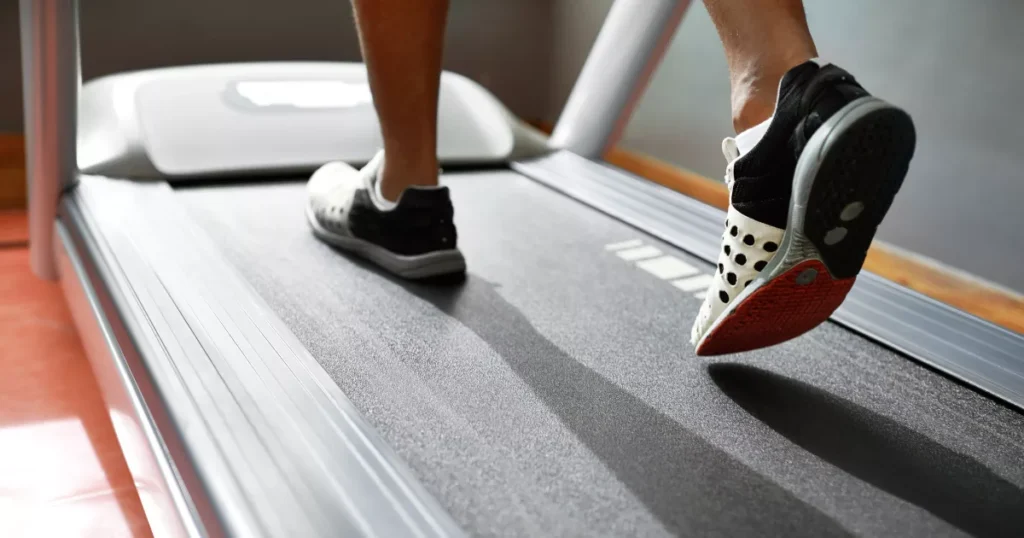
<point>730,150</point>
<point>378,197</point>
<point>372,178</point>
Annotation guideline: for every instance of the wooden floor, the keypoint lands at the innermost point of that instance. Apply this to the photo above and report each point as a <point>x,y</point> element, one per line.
<point>62,471</point>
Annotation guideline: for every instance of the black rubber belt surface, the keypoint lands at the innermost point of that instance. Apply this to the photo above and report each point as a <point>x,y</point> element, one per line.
<point>555,392</point>
<point>972,350</point>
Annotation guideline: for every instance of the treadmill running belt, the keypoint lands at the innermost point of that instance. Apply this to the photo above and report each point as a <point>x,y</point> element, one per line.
<point>555,392</point>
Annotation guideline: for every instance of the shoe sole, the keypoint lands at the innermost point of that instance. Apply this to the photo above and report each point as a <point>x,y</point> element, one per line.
<point>421,266</point>
<point>845,181</point>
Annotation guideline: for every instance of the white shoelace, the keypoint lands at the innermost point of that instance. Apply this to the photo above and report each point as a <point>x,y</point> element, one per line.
<point>732,153</point>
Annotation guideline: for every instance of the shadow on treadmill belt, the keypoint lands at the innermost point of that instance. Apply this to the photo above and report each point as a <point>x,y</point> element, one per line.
<point>879,451</point>
<point>689,485</point>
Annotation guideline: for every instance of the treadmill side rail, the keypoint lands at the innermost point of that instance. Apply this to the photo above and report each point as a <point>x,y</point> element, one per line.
<point>258,439</point>
<point>970,349</point>
<point>123,381</point>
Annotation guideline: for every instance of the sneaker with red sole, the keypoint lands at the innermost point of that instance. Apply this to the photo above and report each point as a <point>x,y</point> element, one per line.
<point>807,191</point>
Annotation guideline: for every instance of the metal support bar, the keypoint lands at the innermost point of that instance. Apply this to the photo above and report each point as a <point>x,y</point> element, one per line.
<point>628,49</point>
<point>51,78</point>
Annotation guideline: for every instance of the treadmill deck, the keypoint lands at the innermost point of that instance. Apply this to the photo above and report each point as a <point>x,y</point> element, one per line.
<point>555,392</point>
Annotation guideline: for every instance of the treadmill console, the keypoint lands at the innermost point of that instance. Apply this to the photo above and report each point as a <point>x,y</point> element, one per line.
<point>239,119</point>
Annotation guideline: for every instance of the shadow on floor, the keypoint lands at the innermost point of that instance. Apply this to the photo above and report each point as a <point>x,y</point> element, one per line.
<point>692,487</point>
<point>879,451</point>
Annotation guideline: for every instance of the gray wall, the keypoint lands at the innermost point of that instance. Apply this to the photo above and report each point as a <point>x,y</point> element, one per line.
<point>503,45</point>
<point>954,65</point>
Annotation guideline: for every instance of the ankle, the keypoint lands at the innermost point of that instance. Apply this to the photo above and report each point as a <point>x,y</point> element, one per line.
<point>749,111</point>
<point>755,88</point>
<point>753,97</point>
<point>395,177</point>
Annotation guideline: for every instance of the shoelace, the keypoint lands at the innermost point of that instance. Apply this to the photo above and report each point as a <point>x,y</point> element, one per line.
<point>731,152</point>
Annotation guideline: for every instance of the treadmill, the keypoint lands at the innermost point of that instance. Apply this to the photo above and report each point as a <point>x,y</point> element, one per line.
<point>262,384</point>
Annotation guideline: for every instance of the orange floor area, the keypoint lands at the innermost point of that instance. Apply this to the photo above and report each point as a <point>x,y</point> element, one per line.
<point>62,472</point>
<point>13,228</point>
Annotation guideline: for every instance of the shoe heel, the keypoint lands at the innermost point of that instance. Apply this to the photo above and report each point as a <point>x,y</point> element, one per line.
<point>858,166</point>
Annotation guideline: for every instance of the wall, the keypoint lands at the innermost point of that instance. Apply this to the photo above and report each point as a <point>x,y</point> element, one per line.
<point>955,66</point>
<point>503,45</point>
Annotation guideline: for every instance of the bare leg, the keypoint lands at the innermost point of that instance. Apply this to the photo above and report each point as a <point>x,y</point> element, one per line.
<point>763,39</point>
<point>402,43</point>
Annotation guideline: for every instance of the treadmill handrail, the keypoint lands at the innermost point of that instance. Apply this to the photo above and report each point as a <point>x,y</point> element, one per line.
<point>624,57</point>
<point>51,78</point>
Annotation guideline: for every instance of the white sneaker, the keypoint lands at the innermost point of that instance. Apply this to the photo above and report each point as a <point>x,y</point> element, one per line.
<point>413,238</point>
<point>807,191</point>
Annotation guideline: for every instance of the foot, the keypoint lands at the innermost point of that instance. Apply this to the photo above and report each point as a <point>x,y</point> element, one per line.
<point>807,191</point>
<point>413,238</point>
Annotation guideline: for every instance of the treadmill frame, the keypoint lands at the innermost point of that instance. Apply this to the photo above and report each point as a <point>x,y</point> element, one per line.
<point>137,309</point>
<point>247,434</point>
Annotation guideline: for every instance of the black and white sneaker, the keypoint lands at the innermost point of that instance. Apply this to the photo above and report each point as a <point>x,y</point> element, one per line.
<point>413,238</point>
<point>807,191</point>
